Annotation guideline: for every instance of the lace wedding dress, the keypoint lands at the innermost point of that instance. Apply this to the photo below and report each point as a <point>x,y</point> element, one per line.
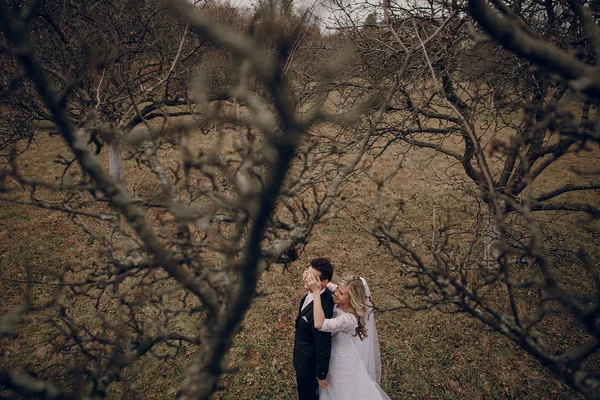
<point>347,378</point>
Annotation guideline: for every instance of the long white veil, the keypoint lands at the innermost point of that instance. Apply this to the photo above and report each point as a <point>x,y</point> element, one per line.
<point>368,349</point>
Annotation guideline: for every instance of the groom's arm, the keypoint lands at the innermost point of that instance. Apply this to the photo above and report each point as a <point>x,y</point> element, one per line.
<point>323,341</point>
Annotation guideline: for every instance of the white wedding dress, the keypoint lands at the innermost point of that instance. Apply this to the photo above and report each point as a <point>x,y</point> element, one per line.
<point>348,377</point>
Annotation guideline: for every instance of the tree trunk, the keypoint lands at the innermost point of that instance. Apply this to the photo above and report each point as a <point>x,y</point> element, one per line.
<point>492,248</point>
<point>115,162</point>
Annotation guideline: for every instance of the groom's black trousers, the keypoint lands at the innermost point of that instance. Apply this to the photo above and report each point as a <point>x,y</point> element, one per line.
<point>308,388</point>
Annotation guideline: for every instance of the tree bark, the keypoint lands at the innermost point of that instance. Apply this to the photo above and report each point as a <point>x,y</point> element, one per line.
<point>491,250</point>
<point>115,162</point>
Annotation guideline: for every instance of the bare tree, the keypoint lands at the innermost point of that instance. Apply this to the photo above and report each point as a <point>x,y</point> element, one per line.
<point>116,64</point>
<point>504,121</point>
<point>253,178</point>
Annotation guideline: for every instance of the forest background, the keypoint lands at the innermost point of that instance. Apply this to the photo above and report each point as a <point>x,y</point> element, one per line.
<point>170,168</point>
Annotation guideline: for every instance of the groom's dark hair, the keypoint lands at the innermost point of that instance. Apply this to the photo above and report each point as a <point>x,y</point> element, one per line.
<point>324,267</point>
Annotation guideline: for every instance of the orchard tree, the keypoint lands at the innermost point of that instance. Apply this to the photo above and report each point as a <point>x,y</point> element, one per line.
<point>504,114</point>
<point>246,190</point>
<point>115,64</point>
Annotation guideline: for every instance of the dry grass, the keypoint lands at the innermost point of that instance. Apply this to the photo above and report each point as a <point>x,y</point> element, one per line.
<point>426,355</point>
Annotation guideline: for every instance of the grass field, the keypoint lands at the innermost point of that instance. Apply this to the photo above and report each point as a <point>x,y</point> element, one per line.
<point>425,355</point>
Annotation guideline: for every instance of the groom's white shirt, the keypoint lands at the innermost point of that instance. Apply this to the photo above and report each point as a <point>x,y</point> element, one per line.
<point>310,297</point>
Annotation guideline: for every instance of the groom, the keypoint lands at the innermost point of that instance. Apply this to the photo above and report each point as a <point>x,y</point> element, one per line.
<point>312,348</point>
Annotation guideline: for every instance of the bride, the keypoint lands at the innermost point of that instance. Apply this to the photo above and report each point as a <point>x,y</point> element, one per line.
<point>354,366</point>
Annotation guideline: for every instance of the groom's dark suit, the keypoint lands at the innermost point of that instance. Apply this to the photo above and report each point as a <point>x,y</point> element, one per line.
<point>312,348</point>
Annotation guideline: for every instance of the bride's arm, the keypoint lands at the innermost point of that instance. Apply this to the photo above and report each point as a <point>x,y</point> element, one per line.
<point>343,323</point>
<point>318,314</point>
<point>315,286</point>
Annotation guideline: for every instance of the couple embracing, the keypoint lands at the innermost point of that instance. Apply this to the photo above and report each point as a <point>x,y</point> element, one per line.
<point>336,349</point>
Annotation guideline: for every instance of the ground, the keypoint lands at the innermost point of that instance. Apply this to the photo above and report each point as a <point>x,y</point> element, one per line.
<point>425,355</point>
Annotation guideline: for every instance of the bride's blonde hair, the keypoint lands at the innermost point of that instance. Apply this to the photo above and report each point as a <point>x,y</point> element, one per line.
<point>358,301</point>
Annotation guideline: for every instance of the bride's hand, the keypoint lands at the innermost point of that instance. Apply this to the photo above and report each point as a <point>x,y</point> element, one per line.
<point>313,283</point>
